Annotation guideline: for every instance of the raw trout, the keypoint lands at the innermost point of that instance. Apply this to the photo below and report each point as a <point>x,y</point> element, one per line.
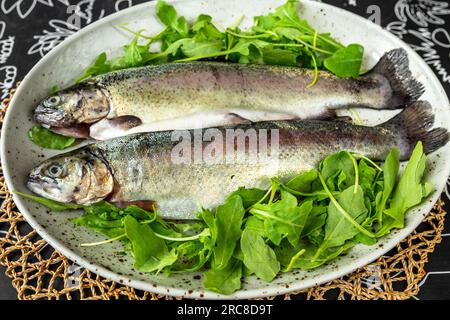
<point>150,169</point>
<point>207,94</point>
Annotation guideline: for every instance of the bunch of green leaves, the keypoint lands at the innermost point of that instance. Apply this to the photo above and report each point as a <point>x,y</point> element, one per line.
<point>280,37</point>
<point>297,224</point>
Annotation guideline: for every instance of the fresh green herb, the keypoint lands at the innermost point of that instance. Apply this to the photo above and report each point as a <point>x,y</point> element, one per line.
<point>346,62</point>
<point>259,257</point>
<point>226,280</point>
<point>149,251</point>
<point>228,221</point>
<point>51,204</point>
<point>45,138</point>
<point>280,37</point>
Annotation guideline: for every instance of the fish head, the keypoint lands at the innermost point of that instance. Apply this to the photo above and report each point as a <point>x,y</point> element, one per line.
<point>74,107</point>
<point>82,179</point>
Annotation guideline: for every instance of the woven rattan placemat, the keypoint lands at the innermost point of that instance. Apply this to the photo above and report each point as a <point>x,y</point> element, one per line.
<point>38,271</point>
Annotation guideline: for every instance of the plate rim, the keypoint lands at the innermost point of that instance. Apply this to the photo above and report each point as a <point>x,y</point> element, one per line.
<point>271,290</point>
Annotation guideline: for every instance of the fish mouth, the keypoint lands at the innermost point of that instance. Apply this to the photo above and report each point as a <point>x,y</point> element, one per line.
<point>42,187</point>
<point>50,117</point>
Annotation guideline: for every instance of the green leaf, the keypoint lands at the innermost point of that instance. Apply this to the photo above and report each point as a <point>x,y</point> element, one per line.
<point>390,172</point>
<point>51,204</point>
<point>224,281</point>
<point>279,57</point>
<point>367,176</point>
<point>205,29</point>
<point>303,182</point>
<point>249,196</point>
<point>337,228</point>
<point>288,16</point>
<point>110,228</point>
<point>258,256</point>
<point>100,66</point>
<point>283,218</point>
<point>195,48</point>
<point>338,170</point>
<point>168,16</point>
<point>228,222</point>
<point>346,62</point>
<point>45,138</point>
<point>150,252</point>
<point>408,193</point>
<point>316,220</point>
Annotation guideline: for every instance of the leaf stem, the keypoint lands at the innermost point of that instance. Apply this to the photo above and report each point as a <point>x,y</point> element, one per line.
<point>343,212</point>
<point>355,166</point>
<point>316,69</point>
<point>103,242</point>
<point>361,156</point>
<point>268,215</point>
<point>294,259</point>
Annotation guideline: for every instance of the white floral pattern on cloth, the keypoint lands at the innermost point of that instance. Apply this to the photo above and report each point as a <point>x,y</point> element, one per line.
<point>8,73</point>
<point>25,7</point>
<point>79,15</point>
<point>420,24</point>
<point>422,12</point>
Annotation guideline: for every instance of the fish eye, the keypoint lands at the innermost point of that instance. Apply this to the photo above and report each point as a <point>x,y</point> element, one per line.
<point>54,170</point>
<point>53,101</point>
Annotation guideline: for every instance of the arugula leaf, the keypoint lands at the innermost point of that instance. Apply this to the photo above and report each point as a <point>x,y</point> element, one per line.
<point>279,56</point>
<point>258,256</point>
<point>367,176</point>
<point>225,281</point>
<point>316,219</point>
<point>110,228</point>
<point>408,193</point>
<point>51,204</point>
<point>228,222</point>
<point>303,182</point>
<point>205,29</point>
<point>390,172</point>
<point>197,48</point>
<point>45,138</point>
<point>337,228</point>
<point>249,196</point>
<point>150,252</point>
<point>338,171</point>
<point>346,62</point>
<point>100,66</point>
<point>135,55</point>
<point>168,16</point>
<point>283,218</point>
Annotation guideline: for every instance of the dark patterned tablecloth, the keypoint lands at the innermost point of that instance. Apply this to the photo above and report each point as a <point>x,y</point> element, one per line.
<point>31,28</point>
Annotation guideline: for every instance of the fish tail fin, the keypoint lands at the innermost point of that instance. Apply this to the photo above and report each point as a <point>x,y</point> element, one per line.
<point>413,124</point>
<point>394,66</point>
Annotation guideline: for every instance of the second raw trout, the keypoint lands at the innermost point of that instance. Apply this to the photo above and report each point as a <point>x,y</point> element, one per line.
<point>179,173</point>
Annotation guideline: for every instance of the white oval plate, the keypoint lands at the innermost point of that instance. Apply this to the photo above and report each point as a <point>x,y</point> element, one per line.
<point>65,63</point>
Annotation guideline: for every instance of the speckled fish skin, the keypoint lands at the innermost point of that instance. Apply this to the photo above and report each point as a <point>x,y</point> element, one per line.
<point>143,169</point>
<point>209,94</point>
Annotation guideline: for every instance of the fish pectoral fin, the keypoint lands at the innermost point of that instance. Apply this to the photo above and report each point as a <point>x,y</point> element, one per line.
<point>148,205</point>
<point>77,131</point>
<point>125,122</point>
<point>234,118</point>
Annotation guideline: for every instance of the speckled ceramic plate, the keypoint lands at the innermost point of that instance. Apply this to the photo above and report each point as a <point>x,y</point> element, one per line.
<point>64,63</point>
